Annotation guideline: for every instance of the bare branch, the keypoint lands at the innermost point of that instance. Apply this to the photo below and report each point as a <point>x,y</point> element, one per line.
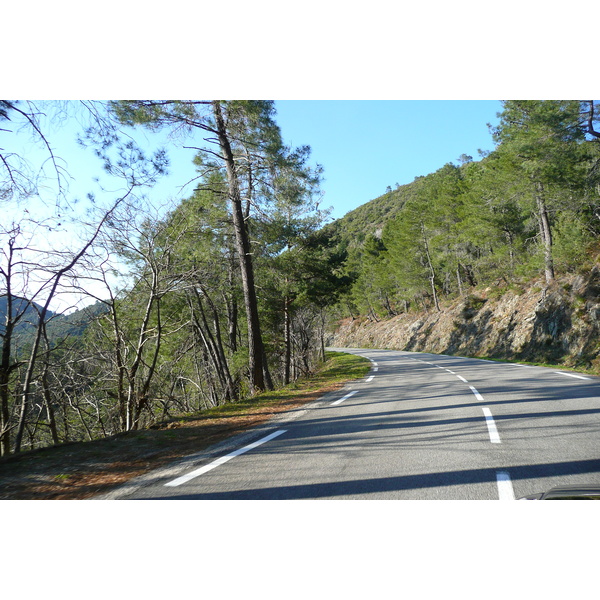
<point>591,129</point>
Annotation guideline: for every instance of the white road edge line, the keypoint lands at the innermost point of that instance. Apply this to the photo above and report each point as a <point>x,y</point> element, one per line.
<point>344,398</point>
<point>220,461</point>
<point>369,379</point>
<point>491,425</point>
<point>571,375</point>
<point>505,488</point>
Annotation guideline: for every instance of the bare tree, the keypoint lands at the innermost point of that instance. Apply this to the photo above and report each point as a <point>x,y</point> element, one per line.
<point>238,132</point>
<point>19,177</point>
<point>34,267</point>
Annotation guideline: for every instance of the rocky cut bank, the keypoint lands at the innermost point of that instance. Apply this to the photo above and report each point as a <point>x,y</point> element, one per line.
<point>558,324</point>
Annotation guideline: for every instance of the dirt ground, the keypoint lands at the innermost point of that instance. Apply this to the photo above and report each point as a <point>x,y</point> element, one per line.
<point>82,470</point>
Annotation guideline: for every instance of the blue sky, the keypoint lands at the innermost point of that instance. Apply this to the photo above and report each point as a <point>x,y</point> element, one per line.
<point>365,146</point>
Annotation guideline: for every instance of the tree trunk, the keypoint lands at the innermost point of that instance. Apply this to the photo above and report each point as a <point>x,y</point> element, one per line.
<point>143,396</point>
<point>545,232</point>
<point>47,394</point>
<point>257,363</point>
<point>121,369</point>
<point>431,269</point>
<point>135,396</point>
<point>213,348</point>
<point>287,336</point>
<point>28,379</point>
<point>5,370</point>
<point>322,336</point>
<point>232,309</point>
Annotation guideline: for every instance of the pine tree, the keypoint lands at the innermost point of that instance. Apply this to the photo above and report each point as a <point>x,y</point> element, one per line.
<point>543,141</point>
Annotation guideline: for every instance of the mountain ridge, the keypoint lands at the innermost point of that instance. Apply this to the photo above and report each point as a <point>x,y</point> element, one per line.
<point>58,325</point>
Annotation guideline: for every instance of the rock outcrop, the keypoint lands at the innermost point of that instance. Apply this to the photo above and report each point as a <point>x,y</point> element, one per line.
<point>558,324</point>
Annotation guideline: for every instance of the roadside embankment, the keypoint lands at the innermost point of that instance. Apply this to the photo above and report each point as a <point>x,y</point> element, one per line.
<point>557,324</point>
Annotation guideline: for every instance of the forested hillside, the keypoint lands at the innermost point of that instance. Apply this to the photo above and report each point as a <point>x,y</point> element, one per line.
<point>29,312</point>
<point>60,328</point>
<point>530,207</point>
<point>370,218</point>
<point>233,290</point>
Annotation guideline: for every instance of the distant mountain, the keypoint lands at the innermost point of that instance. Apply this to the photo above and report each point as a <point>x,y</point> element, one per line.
<point>74,324</point>
<point>59,326</point>
<point>30,312</point>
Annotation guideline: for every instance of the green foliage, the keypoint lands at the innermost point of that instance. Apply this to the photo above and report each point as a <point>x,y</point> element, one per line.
<point>472,306</point>
<point>571,238</point>
<point>480,223</point>
<point>370,218</point>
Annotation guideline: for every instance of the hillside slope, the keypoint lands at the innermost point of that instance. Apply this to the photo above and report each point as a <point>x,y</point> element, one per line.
<point>559,325</point>
<point>369,218</point>
<point>59,326</point>
<point>28,313</point>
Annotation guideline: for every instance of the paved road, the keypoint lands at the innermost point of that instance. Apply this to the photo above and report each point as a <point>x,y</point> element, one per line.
<point>420,426</point>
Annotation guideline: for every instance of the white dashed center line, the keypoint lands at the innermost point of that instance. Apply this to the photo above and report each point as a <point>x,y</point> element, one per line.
<point>491,425</point>
<point>477,394</point>
<point>489,419</point>
<point>505,488</point>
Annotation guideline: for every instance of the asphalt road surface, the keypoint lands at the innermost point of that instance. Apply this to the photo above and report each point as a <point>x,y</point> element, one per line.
<point>419,427</point>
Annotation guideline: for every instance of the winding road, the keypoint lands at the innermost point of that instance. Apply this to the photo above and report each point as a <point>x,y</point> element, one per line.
<point>420,427</point>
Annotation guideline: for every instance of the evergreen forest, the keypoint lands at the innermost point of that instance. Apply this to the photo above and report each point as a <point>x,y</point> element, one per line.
<point>233,290</point>
<point>528,209</point>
